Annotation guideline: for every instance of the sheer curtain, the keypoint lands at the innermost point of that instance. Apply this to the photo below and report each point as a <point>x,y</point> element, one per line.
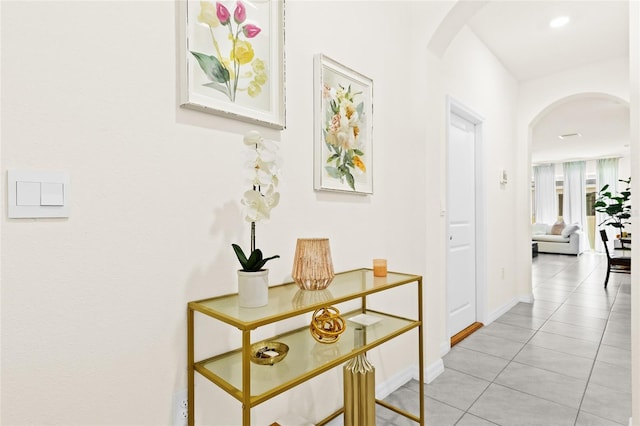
<point>606,173</point>
<point>574,204</point>
<point>546,200</point>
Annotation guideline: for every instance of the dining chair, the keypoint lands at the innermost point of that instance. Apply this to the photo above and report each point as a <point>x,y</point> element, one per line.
<point>620,264</point>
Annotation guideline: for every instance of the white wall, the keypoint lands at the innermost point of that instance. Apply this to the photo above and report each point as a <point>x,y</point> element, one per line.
<point>93,306</point>
<point>478,80</point>
<point>491,92</point>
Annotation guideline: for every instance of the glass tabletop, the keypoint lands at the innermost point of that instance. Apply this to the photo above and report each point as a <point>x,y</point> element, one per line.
<point>288,300</point>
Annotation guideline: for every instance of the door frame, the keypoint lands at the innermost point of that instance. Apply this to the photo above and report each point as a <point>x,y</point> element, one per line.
<point>456,107</point>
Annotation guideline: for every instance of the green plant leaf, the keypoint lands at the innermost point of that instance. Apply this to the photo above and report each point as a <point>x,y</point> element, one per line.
<point>616,206</point>
<point>350,180</point>
<point>254,259</point>
<point>212,67</point>
<point>334,172</point>
<point>334,107</point>
<point>240,254</point>
<point>255,262</point>
<point>219,87</point>
<point>260,264</point>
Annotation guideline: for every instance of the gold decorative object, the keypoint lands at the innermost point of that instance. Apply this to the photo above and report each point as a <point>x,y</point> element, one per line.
<point>327,325</point>
<point>312,265</point>
<point>359,387</point>
<point>268,353</point>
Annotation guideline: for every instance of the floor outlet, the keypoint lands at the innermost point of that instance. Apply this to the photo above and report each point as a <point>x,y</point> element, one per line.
<point>180,408</point>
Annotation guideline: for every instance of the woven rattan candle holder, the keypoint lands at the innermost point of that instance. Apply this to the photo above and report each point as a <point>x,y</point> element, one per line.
<point>312,265</point>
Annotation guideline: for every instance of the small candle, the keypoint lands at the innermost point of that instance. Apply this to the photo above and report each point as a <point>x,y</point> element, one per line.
<point>379,267</point>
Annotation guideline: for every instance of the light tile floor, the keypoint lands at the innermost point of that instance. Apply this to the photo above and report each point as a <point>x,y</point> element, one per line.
<point>563,360</point>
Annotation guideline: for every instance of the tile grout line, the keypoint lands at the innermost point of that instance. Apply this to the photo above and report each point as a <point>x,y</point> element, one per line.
<point>579,289</point>
<point>466,411</point>
<point>596,357</point>
<point>563,303</point>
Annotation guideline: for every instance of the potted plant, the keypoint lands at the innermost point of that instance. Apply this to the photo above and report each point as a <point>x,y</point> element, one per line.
<point>253,279</point>
<point>617,207</point>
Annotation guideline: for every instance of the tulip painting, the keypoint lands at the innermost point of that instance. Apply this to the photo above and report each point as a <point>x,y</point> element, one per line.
<point>231,66</point>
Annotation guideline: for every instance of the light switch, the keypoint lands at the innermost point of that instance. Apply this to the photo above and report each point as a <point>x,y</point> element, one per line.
<point>27,193</point>
<point>37,193</point>
<point>51,194</point>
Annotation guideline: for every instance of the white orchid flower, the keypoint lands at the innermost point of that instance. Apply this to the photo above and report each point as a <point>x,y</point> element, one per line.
<point>267,146</point>
<point>256,207</point>
<point>263,169</point>
<point>263,178</point>
<point>272,198</point>
<point>253,137</point>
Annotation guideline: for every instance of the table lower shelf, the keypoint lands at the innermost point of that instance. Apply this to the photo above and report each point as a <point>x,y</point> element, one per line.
<point>306,358</point>
<point>384,404</point>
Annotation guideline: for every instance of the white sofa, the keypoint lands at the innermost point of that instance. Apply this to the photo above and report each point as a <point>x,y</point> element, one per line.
<point>570,241</point>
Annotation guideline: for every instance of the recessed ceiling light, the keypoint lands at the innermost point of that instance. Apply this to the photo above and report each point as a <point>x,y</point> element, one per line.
<point>570,135</point>
<point>559,21</point>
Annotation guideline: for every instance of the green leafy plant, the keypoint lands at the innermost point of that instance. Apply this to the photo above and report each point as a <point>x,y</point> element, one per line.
<point>616,206</point>
<point>254,262</point>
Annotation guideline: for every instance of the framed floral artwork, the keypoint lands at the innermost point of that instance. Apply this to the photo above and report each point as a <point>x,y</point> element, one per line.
<point>232,59</point>
<point>343,126</point>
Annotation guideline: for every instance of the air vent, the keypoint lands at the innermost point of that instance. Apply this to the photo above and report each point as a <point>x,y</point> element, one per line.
<point>570,135</point>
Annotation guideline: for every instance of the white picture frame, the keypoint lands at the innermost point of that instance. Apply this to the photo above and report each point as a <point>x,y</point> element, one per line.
<point>343,128</point>
<point>245,83</point>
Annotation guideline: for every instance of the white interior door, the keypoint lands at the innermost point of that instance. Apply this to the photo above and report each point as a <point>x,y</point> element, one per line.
<point>461,263</point>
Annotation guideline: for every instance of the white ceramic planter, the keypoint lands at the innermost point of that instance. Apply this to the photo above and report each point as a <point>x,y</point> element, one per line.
<point>253,288</point>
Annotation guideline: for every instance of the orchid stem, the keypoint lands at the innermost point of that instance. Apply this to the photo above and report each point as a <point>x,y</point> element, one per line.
<point>253,236</point>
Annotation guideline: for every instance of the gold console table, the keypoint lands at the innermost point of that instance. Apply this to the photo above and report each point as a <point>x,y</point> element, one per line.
<point>253,384</point>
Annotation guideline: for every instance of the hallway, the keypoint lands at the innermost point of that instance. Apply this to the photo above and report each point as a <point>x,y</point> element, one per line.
<point>563,360</point>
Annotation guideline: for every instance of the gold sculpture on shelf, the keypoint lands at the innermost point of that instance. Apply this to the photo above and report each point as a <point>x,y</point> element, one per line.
<point>327,325</point>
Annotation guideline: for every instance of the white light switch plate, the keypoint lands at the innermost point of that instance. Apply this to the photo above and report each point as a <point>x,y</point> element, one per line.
<point>33,194</point>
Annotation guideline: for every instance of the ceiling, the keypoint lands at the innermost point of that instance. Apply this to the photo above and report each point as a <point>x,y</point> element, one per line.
<point>518,33</point>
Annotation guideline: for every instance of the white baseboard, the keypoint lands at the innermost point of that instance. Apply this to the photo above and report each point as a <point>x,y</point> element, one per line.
<point>433,371</point>
<point>502,310</point>
<point>526,298</point>
<point>396,381</point>
<point>445,347</point>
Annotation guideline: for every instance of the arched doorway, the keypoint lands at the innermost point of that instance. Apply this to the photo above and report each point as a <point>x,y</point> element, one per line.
<point>585,127</point>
